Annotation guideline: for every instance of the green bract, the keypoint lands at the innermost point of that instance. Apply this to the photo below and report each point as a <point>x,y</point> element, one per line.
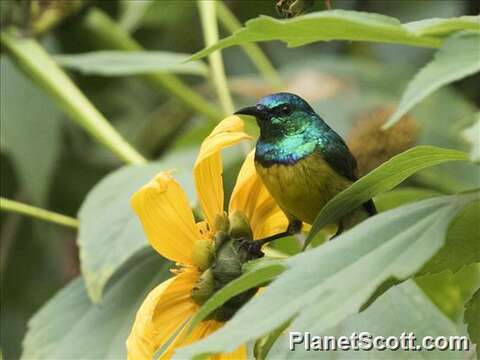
<point>223,262</point>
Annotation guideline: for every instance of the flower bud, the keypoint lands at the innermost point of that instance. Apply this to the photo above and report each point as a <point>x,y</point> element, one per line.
<point>228,264</point>
<point>204,288</point>
<point>221,223</point>
<point>202,254</point>
<point>239,226</point>
<point>220,238</point>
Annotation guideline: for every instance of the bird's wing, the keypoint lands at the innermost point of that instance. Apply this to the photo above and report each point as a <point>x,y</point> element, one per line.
<point>339,157</point>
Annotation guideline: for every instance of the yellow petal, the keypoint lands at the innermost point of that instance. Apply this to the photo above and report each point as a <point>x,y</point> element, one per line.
<point>252,198</point>
<point>208,167</point>
<point>274,222</point>
<point>182,339</point>
<point>203,329</point>
<point>167,219</point>
<point>163,312</point>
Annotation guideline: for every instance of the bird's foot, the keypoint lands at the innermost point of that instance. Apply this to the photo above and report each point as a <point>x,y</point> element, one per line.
<point>339,231</point>
<point>252,247</point>
<point>293,228</point>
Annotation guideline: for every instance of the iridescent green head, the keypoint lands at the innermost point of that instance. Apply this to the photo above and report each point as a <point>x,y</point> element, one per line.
<point>289,129</point>
<point>281,114</point>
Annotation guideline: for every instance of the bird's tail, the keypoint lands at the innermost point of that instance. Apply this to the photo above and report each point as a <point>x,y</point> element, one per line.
<point>371,146</point>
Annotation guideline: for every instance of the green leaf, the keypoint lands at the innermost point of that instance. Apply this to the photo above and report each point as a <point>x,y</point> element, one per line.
<point>402,196</point>
<point>385,177</point>
<point>450,291</point>
<point>472,316</point>
<point>69,326</point>
<point>325,285</point>
<point>457,59</point>
<point>443,27</point>
<point>110,233</point>
<point>402,309</point>
<point>442,117</point>
<point>123,63</point>
<point>461,246</point>
<point>257,273</point>
<point>324,26</point>
<point>29,134</point>
<point>264,344</point>
<point>472,135</point>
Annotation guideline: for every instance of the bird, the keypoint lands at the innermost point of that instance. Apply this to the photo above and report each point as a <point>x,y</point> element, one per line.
<point>302,161</point>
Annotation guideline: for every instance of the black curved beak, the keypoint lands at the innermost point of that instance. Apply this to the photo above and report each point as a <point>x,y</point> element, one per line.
<point>252,111</point>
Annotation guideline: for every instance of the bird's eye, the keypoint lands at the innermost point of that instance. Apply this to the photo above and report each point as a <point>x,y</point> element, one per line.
<point>285,110</point>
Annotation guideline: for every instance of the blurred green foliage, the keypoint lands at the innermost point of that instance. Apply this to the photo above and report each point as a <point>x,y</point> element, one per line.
<point>49,161</point>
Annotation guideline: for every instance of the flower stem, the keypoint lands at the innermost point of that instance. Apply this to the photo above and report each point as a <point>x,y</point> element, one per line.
<point>40,67</point>
<point>32,211</point>
<point>253,51</point>
<point>210,34</point>
<point>112,36</point>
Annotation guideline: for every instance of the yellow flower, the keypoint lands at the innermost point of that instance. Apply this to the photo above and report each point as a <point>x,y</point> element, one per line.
<point>170,227</point>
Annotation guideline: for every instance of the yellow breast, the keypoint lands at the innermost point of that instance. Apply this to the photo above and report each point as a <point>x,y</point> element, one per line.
<point>302,189</point>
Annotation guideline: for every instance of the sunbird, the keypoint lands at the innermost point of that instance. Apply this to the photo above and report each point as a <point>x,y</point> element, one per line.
<point>302,162</point>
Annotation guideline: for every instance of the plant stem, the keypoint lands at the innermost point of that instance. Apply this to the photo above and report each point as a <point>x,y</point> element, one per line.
<point>253,51</point>
<point>132,13</point>
<point>42,214</point>
<point>40,67</point>
<point>210,34</point>
<point>111,35</point>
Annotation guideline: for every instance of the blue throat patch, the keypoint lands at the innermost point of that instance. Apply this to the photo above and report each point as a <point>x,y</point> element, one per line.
<point>288,150</point>
<point>271,154</point>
